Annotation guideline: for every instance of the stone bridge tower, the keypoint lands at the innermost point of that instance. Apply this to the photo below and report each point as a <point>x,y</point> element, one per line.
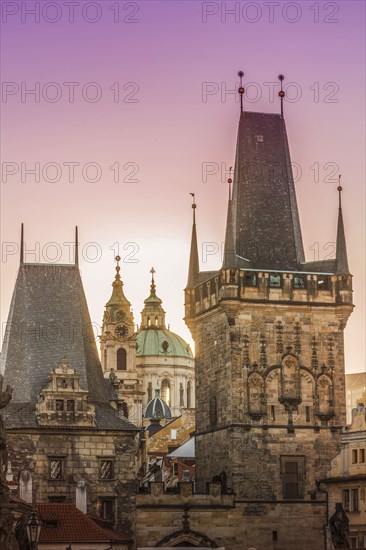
<point>268,330</point>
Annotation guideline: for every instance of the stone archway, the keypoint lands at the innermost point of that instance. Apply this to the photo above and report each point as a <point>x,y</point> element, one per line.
<point>189,539</point>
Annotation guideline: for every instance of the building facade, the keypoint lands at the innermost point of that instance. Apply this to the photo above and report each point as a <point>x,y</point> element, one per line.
<point>346,480</point>
<point>270,383</point>
<point>68,440</point>
<point>150,357</point>
<point>355,392</point>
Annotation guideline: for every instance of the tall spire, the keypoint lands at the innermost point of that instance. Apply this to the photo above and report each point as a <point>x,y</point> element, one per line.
<point>118,298</point>
<point>341,250</point>
<point>229,259</point>
<point>22,244</point>
<point>194,268</point>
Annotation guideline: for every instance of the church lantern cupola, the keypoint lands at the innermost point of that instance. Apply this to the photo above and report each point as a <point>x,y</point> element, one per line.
<point>153,314</point>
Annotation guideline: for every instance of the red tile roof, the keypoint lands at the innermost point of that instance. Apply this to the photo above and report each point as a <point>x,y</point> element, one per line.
<point>65,523</point>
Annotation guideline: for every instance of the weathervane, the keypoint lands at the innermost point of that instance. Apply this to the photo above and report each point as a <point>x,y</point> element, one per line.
<point>281,93</point>
<point>194,206</point>
<point>241,90</point>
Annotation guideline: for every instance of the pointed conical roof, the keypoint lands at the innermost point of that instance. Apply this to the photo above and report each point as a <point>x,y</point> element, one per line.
<point>265,215</point>
<point>48,320</point>
<point>341,249</point>
<point>194,266</point>
<point>230,259</point>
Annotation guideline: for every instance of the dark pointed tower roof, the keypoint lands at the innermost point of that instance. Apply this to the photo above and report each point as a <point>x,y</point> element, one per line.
<point>265,215</point>
<point>194,267</point>
<point>49,320</point>
<point>341,249</point>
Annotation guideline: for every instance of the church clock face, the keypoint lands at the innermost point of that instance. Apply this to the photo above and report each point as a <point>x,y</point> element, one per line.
<point>121,331</point>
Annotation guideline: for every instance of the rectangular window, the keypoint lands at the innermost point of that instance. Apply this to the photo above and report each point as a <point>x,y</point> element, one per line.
<point>307,412</point>
<point>106,508</point>
<point>299,282</point>
<point>250,279</point>
<point>106,469</point>
<point>175,469</point>
<point>361,456</point>
<point>70,405</point>
<point>293,473</point>
<point>354,542</point>
<point>354,500</point>
<point>56,468</point>
<point>59,405</point>
<point>354,456</point>
<point>273,413</point>
<point>345,499</point>
<point>275,281</point>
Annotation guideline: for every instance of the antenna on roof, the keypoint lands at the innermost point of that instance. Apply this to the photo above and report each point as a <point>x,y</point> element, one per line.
<point>281,93</point>
<point>22,244</point>
<point>339,189</point>
<point>241,90</point>
<point>76,247</point>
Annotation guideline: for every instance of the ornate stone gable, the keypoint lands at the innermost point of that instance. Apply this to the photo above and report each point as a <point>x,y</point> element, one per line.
<point>63,402</point>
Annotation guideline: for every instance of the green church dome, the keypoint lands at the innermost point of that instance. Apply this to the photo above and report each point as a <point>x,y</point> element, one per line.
<point>158,341</point>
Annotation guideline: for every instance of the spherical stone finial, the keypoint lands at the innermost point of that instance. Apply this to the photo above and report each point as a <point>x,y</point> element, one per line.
<point>281,94</point>
<point>118,258</point>
<point>281,77</point>
<point>240,74</point>
<point>194,205</point>
<point>230,180</point>
<point>339,188</point>
<point>241,90</point>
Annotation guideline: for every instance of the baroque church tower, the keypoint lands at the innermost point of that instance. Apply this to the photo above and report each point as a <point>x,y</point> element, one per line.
<point>268,330</point>
<point>118,350</point>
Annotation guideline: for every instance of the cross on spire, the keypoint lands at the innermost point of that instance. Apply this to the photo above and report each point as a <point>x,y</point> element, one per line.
<point>152,287</point>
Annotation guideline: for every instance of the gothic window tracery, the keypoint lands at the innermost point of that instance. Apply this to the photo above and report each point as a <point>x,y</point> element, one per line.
<point>324,397</point>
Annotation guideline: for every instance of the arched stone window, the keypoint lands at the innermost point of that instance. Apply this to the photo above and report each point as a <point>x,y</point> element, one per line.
<point>121,359</point>
<point>165,391</point>
<point>181,395</point>
<point>189,397</point>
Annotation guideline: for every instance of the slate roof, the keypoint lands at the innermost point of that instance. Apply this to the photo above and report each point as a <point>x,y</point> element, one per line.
<point>65,523</point>
<point>49,320</point>
<point>265,215</point>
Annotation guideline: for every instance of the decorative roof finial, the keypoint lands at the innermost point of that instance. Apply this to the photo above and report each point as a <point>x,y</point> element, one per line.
<point>241,90</point>
<point>281,93</point>
<point>118,269</point>
<point>76,246</point>
<point>152,287</point>
<point>339,189</point>
<point>194,206</point>
<point>230,181</point>
<point>22,244</point>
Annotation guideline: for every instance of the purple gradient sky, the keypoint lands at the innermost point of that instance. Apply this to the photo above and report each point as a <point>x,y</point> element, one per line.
<point>171,131</point>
